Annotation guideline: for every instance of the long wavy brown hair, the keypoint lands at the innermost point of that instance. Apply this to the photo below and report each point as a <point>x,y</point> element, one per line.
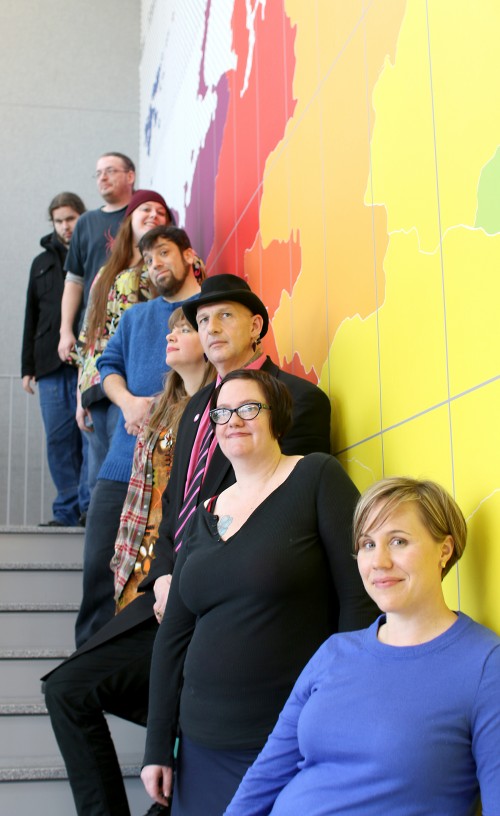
<point>174,398</point>
<point>119,260</point>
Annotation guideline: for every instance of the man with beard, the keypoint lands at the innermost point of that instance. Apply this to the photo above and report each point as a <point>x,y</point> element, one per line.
<point>132,370</point>
<point>56,379</point>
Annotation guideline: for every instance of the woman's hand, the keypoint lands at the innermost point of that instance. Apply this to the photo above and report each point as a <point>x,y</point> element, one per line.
<point>84,419</point>
<point>161,590</point>
<point>157,779</point>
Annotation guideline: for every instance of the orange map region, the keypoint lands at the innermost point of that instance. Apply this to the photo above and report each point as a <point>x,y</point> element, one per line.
<point>255,122</point>
<point>269,271</point>
<point>355,233</point>
<point>318,181</point>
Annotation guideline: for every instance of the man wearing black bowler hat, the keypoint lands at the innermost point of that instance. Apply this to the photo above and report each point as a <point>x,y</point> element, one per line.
<point>231,320</point>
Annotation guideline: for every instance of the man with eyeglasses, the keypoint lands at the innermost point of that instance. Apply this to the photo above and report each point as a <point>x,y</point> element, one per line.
<point>93,238</point>
<point>111,671</point>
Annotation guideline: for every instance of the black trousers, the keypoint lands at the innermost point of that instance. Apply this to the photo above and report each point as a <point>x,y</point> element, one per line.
<point>113,678</point>
<point>103,521</point>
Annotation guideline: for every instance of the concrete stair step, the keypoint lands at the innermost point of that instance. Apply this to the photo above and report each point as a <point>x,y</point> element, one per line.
<point>40,591</point>
<point>35,628</point>
<point>27,723</point>
<point>62,586</point>
<point>61,545</point>
<point>20,671</point>
<point>52,797</point>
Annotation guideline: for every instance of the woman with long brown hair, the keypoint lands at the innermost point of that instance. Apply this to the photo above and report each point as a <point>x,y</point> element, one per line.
<point>120,284</point>
<point>153,457</point>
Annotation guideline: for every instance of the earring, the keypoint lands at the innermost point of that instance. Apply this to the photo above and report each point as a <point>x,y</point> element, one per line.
<point>443,564</point>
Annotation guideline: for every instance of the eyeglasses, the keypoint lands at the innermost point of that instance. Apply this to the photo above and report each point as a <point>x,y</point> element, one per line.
<point>108,171</point>
<point>250,410</point>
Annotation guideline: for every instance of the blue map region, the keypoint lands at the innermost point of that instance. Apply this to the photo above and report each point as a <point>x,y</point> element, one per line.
<point>152,117</point>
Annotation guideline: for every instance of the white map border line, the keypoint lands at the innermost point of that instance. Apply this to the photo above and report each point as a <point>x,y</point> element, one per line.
<point>445,402</point>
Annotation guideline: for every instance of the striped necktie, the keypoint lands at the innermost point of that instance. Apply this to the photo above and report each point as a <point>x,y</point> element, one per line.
<point>191,498</point>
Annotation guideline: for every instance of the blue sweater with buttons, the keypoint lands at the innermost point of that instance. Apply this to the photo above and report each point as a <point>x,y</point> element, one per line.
<point>137,353</point>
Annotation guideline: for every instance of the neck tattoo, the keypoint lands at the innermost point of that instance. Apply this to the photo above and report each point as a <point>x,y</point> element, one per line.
<point>223,524</point>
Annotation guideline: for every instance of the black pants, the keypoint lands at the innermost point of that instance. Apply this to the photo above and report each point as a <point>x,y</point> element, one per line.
<point>103,521</point>
<point>113,677</point>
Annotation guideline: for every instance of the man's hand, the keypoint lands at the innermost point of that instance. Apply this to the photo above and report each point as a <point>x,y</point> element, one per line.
<point>70,303</point>
<point>27,380</point>
<point>157,779</point>
<point>161,590</point>
<point>134,410</point>
<point>66,343</point>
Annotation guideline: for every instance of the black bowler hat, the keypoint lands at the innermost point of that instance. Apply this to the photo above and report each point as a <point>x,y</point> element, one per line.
<point>218,288</point>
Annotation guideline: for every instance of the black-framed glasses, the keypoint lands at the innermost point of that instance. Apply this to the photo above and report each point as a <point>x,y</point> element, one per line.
<point>250,410</point>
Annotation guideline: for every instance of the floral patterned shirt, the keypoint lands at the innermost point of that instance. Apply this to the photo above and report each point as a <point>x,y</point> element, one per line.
<point>127,290</point>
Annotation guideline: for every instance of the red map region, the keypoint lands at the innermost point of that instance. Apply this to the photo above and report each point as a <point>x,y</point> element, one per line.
<point>254,125</point>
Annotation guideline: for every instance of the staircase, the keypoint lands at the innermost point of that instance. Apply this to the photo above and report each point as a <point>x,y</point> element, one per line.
<point>40,590</point>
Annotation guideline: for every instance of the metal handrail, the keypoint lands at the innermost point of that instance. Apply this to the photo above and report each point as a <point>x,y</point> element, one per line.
<point>26,490</point>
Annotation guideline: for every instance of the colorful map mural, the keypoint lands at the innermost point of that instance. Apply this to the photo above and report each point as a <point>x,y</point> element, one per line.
<point>344,157</point>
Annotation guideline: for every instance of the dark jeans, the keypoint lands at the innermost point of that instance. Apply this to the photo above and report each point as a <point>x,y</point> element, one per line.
<point>103,521</point>
<point>84,488</point>
<point>104,415</point>
<point>57,393</point>
<point>113,678</point>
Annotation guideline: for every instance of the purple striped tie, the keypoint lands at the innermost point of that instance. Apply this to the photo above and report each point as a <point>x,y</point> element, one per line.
<point>191,498</point>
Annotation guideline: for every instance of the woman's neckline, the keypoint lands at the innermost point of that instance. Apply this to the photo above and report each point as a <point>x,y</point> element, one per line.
<point>257,506</point>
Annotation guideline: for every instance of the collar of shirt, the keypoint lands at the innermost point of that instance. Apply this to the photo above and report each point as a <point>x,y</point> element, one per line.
<point>203,426</point>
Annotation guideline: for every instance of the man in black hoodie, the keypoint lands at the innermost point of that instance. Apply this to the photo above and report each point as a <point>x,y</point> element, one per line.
<point>57,380</point>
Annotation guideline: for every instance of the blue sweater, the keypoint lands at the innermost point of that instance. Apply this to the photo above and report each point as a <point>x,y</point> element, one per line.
<point>371,729</point>
<point>137,353</point>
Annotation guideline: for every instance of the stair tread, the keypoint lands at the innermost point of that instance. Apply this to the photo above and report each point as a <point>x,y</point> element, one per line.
<point>39,607</point>
<point>53,768</point>
<point>44,566</point>
<point>32,529</point>
<point>27,706</point>
<point>35,654</point>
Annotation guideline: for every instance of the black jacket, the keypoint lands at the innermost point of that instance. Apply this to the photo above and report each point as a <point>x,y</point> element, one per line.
<point>42,319</point>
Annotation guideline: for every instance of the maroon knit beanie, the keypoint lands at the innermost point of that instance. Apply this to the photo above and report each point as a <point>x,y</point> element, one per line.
<point>141,196</point>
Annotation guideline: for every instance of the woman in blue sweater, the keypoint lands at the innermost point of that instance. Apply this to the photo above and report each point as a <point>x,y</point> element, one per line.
<point>403,717</point>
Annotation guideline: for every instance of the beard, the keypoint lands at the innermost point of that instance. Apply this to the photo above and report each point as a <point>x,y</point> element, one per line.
<point>170,285</point>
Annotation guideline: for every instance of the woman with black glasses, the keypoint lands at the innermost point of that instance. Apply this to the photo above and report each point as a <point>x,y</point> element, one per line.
<point>265,574</point>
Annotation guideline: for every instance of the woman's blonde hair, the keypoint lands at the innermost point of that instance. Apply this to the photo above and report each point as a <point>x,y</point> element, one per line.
<point>438,511</point>
<point>174,397</point>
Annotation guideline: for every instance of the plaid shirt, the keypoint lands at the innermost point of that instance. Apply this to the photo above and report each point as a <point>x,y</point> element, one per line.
<point>135,511</point>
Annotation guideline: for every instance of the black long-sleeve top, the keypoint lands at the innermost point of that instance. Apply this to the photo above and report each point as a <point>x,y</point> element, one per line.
<point>245,615</point>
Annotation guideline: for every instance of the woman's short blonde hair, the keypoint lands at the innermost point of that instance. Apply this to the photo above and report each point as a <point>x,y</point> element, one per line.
<point>438,511</point>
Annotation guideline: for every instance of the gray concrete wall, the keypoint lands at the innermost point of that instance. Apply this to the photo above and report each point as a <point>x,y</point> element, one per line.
<point>69,91</point>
